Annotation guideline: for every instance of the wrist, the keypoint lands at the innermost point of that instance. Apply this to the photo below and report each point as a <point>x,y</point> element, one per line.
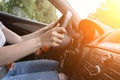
<point>41,47</point>
<point>38,42</point>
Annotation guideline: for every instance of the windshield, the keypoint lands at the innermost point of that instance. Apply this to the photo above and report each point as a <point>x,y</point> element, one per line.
<point>85,7</point>
<point>106,11</point>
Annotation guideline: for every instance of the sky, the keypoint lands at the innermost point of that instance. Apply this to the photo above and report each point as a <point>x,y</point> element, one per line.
<point>84,7</point>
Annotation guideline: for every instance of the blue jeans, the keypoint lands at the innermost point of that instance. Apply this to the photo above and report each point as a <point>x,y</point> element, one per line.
<point>33,70</point>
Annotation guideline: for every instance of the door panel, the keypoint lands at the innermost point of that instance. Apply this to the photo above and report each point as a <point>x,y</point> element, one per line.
<point>18,24</point>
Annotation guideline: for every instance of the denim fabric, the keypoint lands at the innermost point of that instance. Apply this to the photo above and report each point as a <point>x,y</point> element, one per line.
<point>33,70</point>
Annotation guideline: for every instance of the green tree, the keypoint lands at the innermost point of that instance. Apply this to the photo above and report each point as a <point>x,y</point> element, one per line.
<point>45,11</point>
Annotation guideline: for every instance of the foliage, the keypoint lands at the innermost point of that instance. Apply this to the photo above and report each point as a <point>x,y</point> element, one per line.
<point>45,11</point>
<point>40,10</point>
<point>108,13</point>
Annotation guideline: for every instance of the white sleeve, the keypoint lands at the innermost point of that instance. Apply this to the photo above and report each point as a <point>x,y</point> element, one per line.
<point>1,25</point>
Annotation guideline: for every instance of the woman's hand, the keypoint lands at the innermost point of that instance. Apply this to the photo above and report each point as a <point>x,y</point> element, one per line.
<point>53,37</point>
<point>39,32</point>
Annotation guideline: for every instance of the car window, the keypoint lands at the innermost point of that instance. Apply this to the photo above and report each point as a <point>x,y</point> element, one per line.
<point>105,11</point>
<point>39,10</point>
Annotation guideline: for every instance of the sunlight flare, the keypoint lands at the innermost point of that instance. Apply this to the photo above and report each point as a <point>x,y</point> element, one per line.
<point>84,7</point>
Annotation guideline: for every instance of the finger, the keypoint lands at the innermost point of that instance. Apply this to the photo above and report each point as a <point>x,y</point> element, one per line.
<point>57,40</point>
<point>53,24</point>
<point>58,35</point>
<point>60,30</point>
<point>54,44</point>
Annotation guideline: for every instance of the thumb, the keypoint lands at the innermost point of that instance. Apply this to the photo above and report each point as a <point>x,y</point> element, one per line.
<point>53,24</point>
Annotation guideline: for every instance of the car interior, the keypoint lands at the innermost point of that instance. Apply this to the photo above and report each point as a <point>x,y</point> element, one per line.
<point>83,55</point>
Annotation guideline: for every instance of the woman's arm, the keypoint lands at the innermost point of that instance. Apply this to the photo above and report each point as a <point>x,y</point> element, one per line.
<point>14,52</point>
<point>39,32</point>
<point>13,38</point>
<point>50,38</point>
